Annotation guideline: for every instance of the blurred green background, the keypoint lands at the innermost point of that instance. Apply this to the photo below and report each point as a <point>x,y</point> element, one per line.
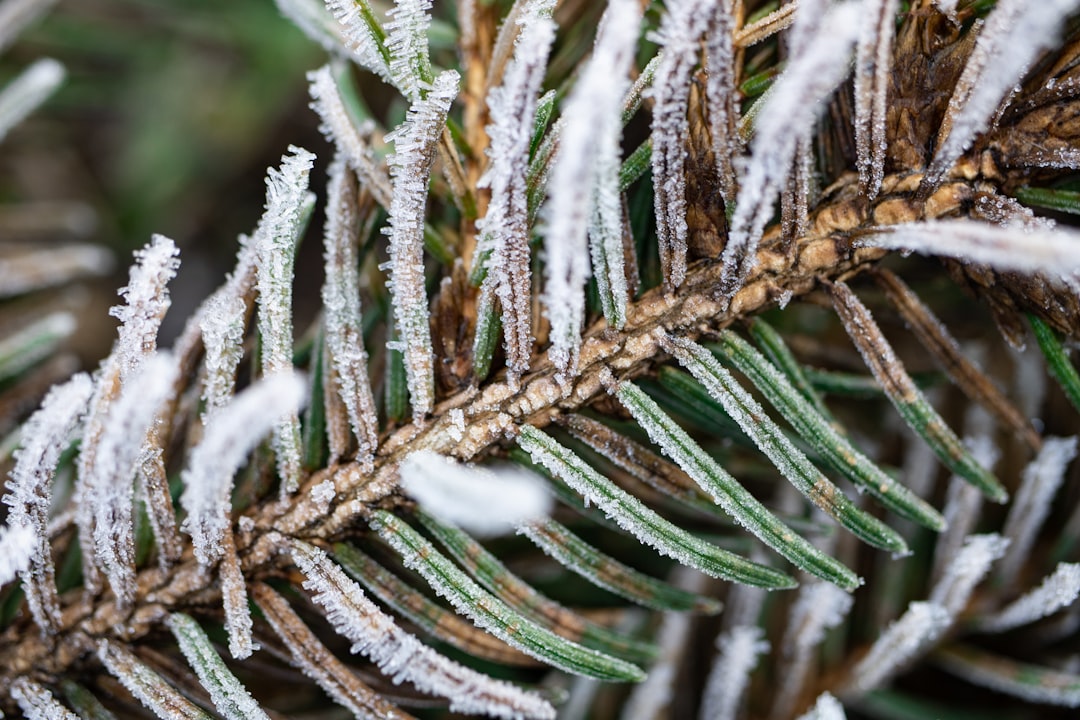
<point>170,115</point>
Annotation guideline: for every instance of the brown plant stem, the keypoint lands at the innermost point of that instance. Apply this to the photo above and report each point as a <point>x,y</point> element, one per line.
<point>493,412</point>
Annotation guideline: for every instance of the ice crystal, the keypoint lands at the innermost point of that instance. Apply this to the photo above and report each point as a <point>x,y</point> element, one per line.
<point>47,267</point>
<point>349,139</point>
<point>946,7</point>
<point>37,703</point>
<point>147,301</point>
<point>1040,482</point>
<point>314,20</point>
<point>288,204</point>
<point>722,95</point>
<point>230,697</point>
<point>826,708</point>
<point>319,664</point>
<point>407,43</point>
<point>1032,683</point>
<point>231,435</point>
<point>962,504</point>
<point>818,608</point>
<point>240,284</point>
<point>739,650</point>
<point>787,117</point>
<point>341,306</point>
<point>150,688</point>
<point>410,167</point>
<point>1015,33</point>
<point>653,697</point>
<point>679,37</point>
<point>1057,591</point>
<point>360,36</point>
<point>222,328</point>
<point>481,501</point>
<point>585,177</point>
<point>504,230</point>
<point>966,570</point>
<point>1050,251</point>
<point>921,625</point>
<point>111,484</point>
<point>18,545</point>
<point>873,64</point>
<point>234,599</point>
<point>28,91</point>
<point>16,15</point>
<point>399,655</point>
<point>45,435</point>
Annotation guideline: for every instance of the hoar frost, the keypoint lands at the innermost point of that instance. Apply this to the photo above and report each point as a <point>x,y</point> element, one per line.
<point>233,433</point>
<point>788,116</point>
<point>504,230</point>
<point>399,655</point>
<point>410,166</point>
<point>288,204</point>
<point>482,501</point>
<point>585,176</point>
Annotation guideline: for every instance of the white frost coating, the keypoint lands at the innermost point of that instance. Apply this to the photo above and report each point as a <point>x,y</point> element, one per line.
<point>315,21</point>
<point>232,434</point>
<point>234,600</point>
<point>818,608</point>
<point>407,43</point>
<point>1015,34</point>
<point>26,92</point>
<point>37,703</point>
<point>1051,251</point>
<point>239,283</point>
<point>222,326</point>
<point>358,37</point>
<point>1040,482</point>
<point>504,229</point>
<point>16,15</point>
<point>652,698</point>
<point>399,655</point>
<point>1047,687</point>
<point>228,694</point>
<point>1057,591</point>
<point>723,97</point>
<point>150,688</point>
<point>963,500</point>
<point>47,267</point>
<point>946,7</point>
<point>826,708</point>
<point>787,117</point>
<point>111,485</point>
<point>921,625</point>
<point>319,664</point>
<point>415,142</point>
<point>341,307</point>
<point>1029,381</point>
<point>586,163</point>
<point>18,544</point>
<point>338,127</point>
<point>147,299</point>
<point>146,302</point>
<point>873,64</point>
<point>739,650</point>
<point>288,203</point>
<point>966,570</point>
<point>44,437</point>
<point>679,38</point>
<point>481,501</point>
